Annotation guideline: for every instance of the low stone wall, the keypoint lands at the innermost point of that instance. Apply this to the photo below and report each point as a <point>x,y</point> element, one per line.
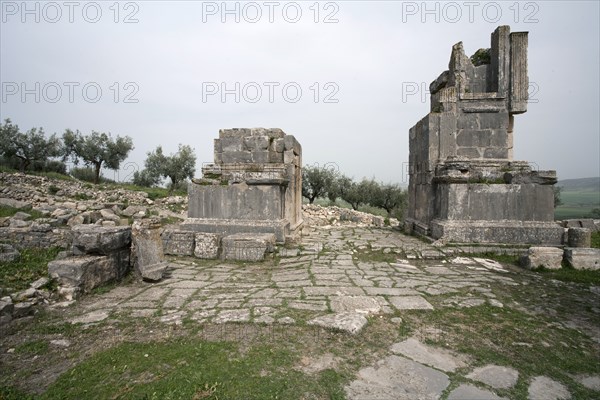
<point>316,215</point>
<point>37,237</point>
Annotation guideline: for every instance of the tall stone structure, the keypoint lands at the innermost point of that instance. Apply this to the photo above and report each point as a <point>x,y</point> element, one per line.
<point>463,183</point>
<point>254,186</point>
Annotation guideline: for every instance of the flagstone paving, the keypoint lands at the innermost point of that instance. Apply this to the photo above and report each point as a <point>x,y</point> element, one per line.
<point>327,281</point>
<point>321,278</point>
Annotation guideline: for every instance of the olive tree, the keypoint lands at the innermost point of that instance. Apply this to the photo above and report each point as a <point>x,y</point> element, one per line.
<point>177,167</point>
<point>317,181</point>
<point>31,147</point>
<point>97,150</point>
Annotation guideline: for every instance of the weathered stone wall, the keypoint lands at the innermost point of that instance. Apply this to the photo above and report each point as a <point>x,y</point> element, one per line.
<point>241,201</point>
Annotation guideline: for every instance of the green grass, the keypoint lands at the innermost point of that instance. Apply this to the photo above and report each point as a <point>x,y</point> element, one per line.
<point>568,274</point>
<point>6,211</point>
<point>33,347</point>
<point>153,193</point>
<point>501,258</point>
<point>32,265</point>
<point>10,393</point>
<point>193,369</point>
<point>369,255</point>
<point>596,240</point>
<point>577,204</point>
<point>573,212</point>
<point>505,336</point>
<point>51,175</point>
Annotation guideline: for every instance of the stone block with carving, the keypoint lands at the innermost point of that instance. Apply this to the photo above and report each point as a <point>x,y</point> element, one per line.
<point>207,245</point>
<point>178,243</point>
<point>247,247</point>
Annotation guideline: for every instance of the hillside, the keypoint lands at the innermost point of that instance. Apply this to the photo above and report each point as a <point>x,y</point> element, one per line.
<point>581,184</point>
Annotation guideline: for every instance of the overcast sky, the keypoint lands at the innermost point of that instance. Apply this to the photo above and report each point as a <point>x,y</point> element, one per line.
<point>346,78</point>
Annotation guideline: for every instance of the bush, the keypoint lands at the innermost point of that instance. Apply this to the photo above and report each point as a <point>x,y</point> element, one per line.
<point>53,189</point>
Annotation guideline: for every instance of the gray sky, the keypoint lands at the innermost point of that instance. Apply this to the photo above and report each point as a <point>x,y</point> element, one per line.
<point>169,73</point>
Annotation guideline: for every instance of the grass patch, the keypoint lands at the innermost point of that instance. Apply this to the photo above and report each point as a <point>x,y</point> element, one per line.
<point>193,369</point>
<point>153,193</point>
<point>569,274</point>
<point>9,393</point>
<point>368,255</point>
<point>501,258</point>
<point>596,240</point>
<point>578,203</point>
<point>7,211</point>
<point>32,347</point>
<point>82,196</point>
<point>32,265</point>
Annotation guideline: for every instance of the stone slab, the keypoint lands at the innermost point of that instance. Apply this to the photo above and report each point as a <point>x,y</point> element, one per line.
<point>357,304</point>
<point>436,357</point>
<point>495,376</point>
<point>350,322</point>
<point>397,378</point>
<point>470,392</point>
<point>410,303</point>
<point>544,388</point>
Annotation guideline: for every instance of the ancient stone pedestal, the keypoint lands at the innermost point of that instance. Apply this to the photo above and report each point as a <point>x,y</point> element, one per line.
<point>463,183</point>
<point>253,187</point>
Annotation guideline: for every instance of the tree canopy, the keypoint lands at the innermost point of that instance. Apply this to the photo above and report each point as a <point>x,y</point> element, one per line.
<point>177,167</point>
<point>97,150</point>
<point>29,147</point>
<point>316,181</point>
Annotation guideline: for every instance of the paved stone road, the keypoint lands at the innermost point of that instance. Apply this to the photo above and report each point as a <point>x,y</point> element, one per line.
<point>320,283</point>
<point>319,278</point>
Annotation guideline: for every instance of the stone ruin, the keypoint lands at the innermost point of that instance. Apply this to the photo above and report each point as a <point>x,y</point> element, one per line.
<point>248,200</point>
<point>464,185</point>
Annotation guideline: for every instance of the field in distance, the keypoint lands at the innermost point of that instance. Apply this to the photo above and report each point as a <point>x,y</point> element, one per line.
<point>579,198</point>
